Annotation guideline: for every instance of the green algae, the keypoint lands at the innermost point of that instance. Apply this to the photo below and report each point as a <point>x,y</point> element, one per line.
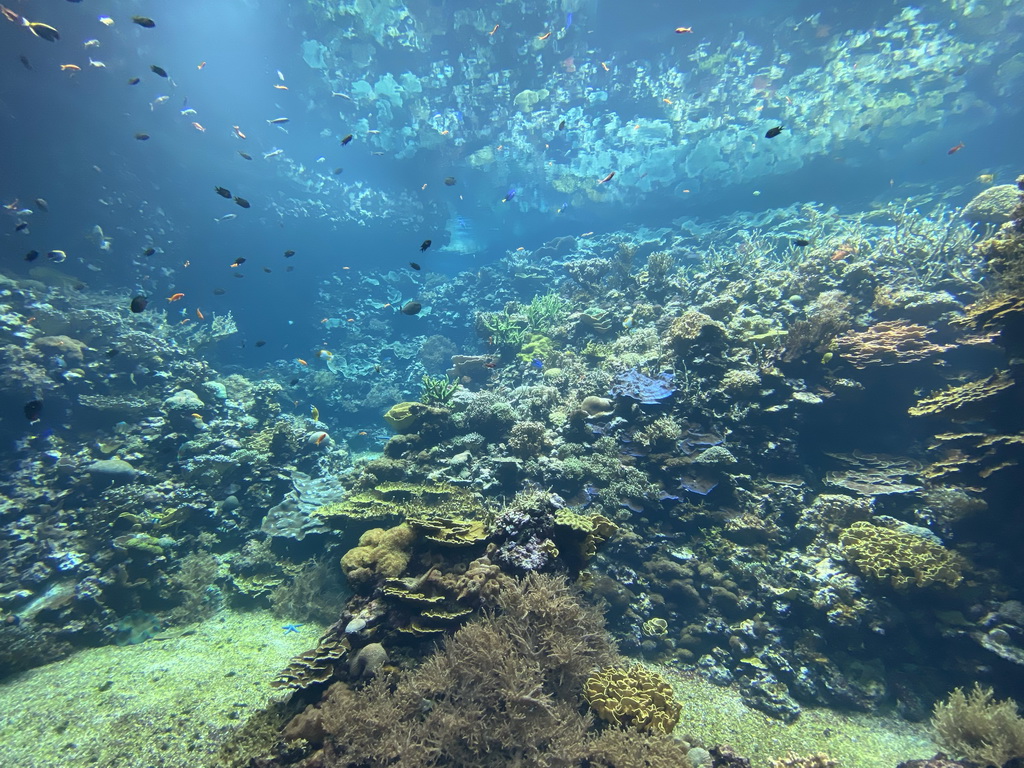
<point>169,702</point>
<point>713,714</point>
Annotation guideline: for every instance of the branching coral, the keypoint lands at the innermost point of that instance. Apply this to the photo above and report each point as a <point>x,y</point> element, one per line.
<point>888,343</point>
<point>978,728</point>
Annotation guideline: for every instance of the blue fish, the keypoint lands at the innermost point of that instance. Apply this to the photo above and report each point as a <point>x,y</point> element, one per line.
<point>537,363</point>
<point>568,19</point>
<point>509,195</point>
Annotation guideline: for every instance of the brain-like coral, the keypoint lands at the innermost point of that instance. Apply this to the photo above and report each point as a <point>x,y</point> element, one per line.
<point>633,697</point>
<point>904,559</point>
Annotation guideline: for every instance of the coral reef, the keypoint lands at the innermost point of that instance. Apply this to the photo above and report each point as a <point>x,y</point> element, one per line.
<point>978,728</point>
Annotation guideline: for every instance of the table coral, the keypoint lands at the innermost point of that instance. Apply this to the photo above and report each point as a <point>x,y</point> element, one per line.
<point>888,343</point>
<point>903,558</point>
<point>959,396</point>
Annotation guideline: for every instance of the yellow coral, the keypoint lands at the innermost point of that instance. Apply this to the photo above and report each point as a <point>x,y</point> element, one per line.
<point>403,416</point>
<point>381,552</point>
<point>960,395</point>
<point>633,697</point>
<point>903,558</point>
<point>888,343</point>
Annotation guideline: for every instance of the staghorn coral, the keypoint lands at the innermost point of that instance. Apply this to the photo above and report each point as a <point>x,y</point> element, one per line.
<point>905,559</point>
<point>960,396</point>
<point>888,343</point>
<point>633,697</point>
<point>978,728</point>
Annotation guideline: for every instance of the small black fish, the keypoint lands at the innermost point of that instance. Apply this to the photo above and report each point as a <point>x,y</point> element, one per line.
<point>449,181</point>
<point>24,60</point>
<point>242,202</point>
<point>33,410</point>
<point>158,70</point>
<point>238,261</point>
<point>268,270</point>
<point>293,382</point>
<point>412,308</point>
<point>143,21</point>
<point>149,252</point>
<point>289,254</point>
<point>260,343</point>
<point>336,171</point>
<point>31,255</point>
<point>773,132</point>
<point>139,304</point>
<point>21,226</point>
<point>134,80</point>
<point>424,245</point>
<point>346,140</point>
<point>245,155</point>
<point>112,352</point>
<point>239,274</point>
<point>561,126</point>
<point>142,136</point>
<point>222,192</point>
<point>42,205</point>
<point>800,243</point>
<point>289,269</point>
<point>219,291</point>
<point>414,265</point>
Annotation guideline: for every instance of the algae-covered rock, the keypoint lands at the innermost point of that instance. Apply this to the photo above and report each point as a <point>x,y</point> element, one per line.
<point>111,471</point>
<point>993,206</point>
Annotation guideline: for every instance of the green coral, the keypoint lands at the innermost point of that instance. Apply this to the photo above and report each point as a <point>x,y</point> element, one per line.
<point>507,331</point>
<point>537,345</point>
<point>633,697</point>
<point>545,311</point>
<point>904,559</point>
<point>438,391</point>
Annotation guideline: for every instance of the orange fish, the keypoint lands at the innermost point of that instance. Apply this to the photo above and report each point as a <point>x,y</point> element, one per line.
<point>322,436</point>
<point>605,67</point>
<point>545,36</point>
<point>70,68</point>
<point>176,297</point>
<point>301,361</point>
<point>200,315</point>
<point>954,150</point>
<point>198,127</point>
<point>363,433</point>
<point>667,101</point>
<point>683,30</point>
<point>607,178</point>
<point>495,28</point>
<point>186,320</point>
<point>201,65</point>
<point>281,87</point>
<point>238,131</point>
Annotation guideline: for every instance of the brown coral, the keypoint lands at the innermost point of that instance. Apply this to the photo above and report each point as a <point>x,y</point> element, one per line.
<point>888,343</point>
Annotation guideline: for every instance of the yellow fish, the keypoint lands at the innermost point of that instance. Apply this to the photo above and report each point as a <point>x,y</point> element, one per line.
<point>314,413</point>
<point>987,178</point>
